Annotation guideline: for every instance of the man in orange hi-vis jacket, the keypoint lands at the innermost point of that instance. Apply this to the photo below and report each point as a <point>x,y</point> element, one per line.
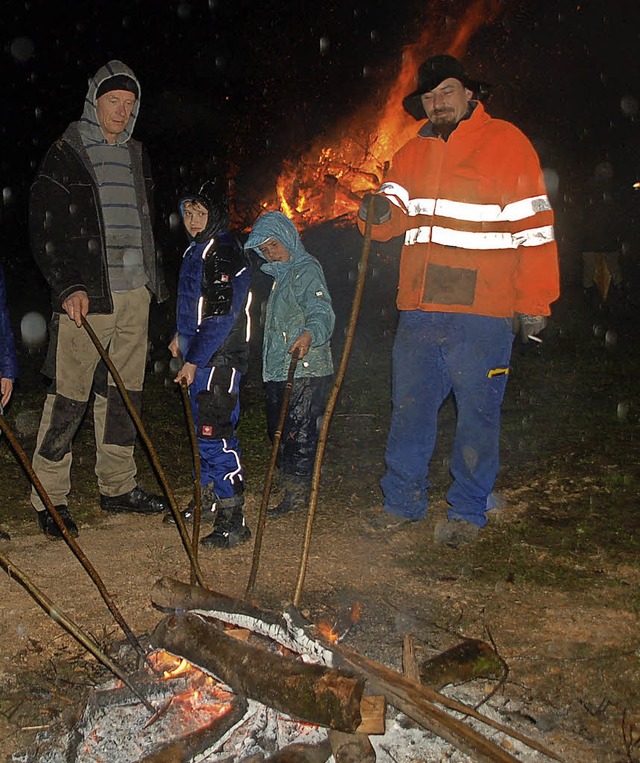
<point>479,263</point>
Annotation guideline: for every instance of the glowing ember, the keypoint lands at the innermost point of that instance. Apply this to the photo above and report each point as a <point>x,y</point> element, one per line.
<point>344,621</point>
<point>329,180</point>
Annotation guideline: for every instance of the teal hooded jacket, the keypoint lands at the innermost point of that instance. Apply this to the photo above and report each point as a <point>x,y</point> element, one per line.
<point>299,301</point>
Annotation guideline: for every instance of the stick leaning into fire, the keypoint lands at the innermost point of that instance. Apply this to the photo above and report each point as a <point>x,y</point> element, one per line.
<point>74,630</point>
<point>262,513</point>
<point>184,535</point>
<point>331,403</point>
<point>197,490</point>
<point>70,540</point>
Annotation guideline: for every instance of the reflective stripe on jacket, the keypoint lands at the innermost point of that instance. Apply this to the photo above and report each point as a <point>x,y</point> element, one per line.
<point>477,222</point>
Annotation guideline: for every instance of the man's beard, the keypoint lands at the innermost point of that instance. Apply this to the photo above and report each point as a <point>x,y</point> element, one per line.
<point>444,128</point>
<point>446,123</point>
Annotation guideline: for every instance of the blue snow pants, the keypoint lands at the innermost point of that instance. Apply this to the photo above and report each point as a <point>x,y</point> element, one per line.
<point>215,404</point>
<point>435,354</point>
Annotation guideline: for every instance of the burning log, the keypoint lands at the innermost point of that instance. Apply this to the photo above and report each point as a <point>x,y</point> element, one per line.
<point>421,703</point>
<point>312,693</point>
<point>288,629</point>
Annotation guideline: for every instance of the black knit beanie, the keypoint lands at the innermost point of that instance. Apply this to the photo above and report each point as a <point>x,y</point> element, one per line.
<point>118,82</point>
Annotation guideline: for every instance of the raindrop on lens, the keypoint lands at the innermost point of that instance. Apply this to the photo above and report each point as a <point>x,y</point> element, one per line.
<point>22,49</point>
<point>611,338</point>
<point>184,11</point>
<point>598,331</point>
<point>552,181</point>
<point>629,105</point>
<point>175,365</point>
<point>159,367</point>
<point>175,221</point>
<point>324,44</point>
<point>33,330</point>
<point>7,195</point>
<point>622,411</point>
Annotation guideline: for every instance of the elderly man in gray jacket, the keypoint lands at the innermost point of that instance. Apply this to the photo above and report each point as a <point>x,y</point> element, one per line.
<point>90,223</point>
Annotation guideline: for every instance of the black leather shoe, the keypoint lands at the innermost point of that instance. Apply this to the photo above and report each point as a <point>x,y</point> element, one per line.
<point>50,528</point>
<point>136,501</point>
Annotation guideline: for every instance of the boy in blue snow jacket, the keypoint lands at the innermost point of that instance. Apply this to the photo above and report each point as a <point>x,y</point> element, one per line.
<point>212,341</point>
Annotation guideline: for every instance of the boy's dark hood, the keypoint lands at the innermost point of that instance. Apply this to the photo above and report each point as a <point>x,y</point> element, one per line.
<point>218,217</point>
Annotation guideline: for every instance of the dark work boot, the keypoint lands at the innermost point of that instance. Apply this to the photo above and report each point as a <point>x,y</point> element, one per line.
<point>296,497</point>
<point>50,528</point>
<point>136,501</point>
<point>230,528</point>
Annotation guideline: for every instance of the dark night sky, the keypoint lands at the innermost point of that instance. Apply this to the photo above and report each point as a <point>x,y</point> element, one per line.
<point>251,82</point>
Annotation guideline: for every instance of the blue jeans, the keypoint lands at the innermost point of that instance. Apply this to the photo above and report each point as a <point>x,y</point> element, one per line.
<point>435,354</point>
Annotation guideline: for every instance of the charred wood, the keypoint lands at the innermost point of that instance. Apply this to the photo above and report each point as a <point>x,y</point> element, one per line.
<point>470,659</point>
<point>288,629</point>
<point>302,753</point>
<point>351,748</point>
<point>421,703</point>
<point>311,693</point>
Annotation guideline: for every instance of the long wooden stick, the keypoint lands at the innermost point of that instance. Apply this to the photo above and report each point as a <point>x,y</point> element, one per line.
<point>78,634</point>
<point>197,491</point>
<point>69,539</point>
<point>331,402</point>
<point>184,535</point>
<point>262,513</point>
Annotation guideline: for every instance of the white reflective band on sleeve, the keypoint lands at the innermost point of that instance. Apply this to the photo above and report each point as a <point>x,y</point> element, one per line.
<point>421,207</point>
<point>396,194</point>
<point>520,210</point>
<point>535,236</point>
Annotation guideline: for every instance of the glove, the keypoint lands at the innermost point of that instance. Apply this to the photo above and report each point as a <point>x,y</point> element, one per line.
<point>528,325</point>
<point>381,208</point>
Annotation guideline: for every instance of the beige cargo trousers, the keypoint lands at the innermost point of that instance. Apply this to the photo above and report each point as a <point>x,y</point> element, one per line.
<point>78,371</point>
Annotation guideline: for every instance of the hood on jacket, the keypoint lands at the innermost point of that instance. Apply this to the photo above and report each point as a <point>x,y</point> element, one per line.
<point>217,208</point>
<point>89,124</point>
<point>278,226</point>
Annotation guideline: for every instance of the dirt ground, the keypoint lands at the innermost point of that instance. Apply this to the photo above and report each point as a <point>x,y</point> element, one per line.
<point>553,581</point>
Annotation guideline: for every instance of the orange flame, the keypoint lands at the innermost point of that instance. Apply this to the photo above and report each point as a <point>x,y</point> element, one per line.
<point>328,181</point>
<point>333,632</point>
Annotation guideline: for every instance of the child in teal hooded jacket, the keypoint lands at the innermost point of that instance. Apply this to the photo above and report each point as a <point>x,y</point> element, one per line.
<point>299,318</point>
